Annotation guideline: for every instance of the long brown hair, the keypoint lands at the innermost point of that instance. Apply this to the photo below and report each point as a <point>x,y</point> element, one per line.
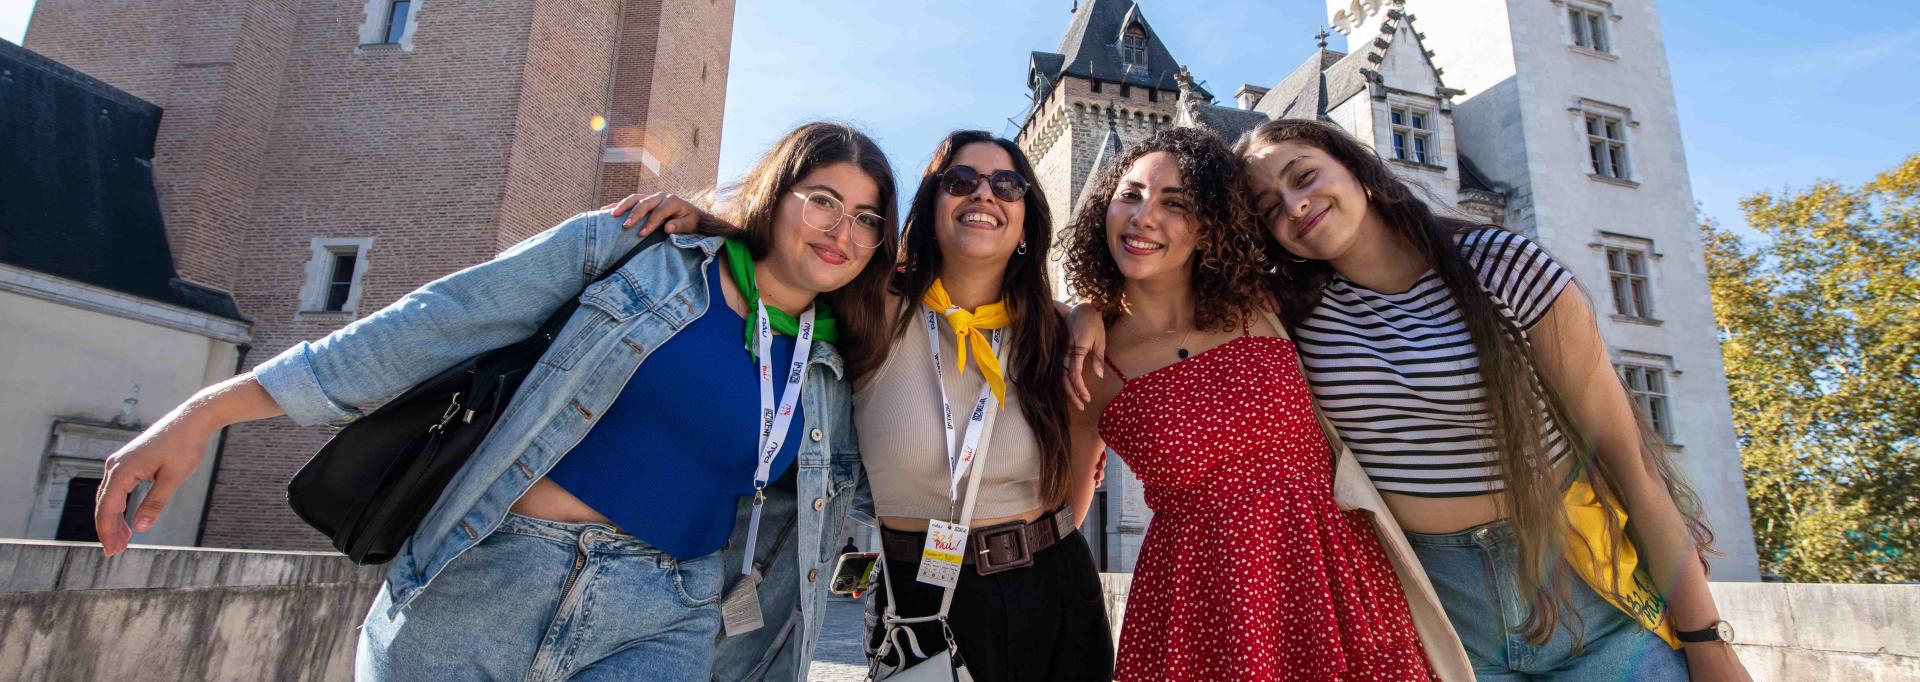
<point>1508,367</point>
<point>1231,262</point>
<point>751,202</point>
<point>1037,336</point>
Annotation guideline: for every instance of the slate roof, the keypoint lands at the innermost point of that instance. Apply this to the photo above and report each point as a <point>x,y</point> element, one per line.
<point>1229,123</point>
<point>1091,49</point>
<point>77,199</point>
<point>1323,81</point>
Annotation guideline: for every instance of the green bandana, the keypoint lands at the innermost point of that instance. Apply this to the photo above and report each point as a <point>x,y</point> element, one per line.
<point>740,265</point>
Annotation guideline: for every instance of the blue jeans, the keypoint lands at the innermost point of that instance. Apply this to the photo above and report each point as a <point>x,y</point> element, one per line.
<point>1476,573</point>
<point>544,600</point>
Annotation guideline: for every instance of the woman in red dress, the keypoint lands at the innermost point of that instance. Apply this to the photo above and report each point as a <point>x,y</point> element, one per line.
<point>1250,569</point>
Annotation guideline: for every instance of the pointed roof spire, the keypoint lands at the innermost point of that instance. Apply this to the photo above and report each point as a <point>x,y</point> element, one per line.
<point>1095,37</point>
<point>1321,37</point>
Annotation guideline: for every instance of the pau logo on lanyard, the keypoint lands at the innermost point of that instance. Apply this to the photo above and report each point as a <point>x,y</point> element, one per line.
<point>774,421</point>
<point>941,558</point>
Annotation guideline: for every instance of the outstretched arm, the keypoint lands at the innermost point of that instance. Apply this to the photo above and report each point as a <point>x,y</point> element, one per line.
<point>1574,361</point>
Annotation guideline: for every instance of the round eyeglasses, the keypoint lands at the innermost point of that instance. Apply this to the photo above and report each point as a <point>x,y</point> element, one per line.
<point>823,212</point>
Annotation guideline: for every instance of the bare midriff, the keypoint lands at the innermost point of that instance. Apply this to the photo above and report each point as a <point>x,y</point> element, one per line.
<point>547,500</point>
<point>1442,515</point>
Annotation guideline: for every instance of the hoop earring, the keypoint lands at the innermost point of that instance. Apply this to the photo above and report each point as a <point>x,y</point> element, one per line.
<point>1023,248</point>
<point>1369,191</point>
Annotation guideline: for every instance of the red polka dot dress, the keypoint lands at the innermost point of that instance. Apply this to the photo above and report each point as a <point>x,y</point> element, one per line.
<point>1250,571</point>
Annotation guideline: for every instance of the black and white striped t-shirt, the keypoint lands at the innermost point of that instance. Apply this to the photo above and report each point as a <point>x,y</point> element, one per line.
<point>1398,374</point>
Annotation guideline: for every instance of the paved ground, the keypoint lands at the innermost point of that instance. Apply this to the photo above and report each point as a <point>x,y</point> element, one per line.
<point>838,657</point>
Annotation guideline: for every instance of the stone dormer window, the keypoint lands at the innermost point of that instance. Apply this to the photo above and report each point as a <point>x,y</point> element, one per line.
<point>1413,135</point>
<point>1133,50</point>
<point>1133,47</point>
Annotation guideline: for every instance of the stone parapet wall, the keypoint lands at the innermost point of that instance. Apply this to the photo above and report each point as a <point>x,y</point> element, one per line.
<point>1783,631</point>
<point>154,613</point>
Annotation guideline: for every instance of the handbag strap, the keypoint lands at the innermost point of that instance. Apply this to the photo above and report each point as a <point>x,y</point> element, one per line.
<point>1334,442</point>
<point>558,320</point>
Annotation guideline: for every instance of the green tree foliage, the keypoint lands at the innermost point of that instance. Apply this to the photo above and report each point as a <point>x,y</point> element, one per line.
<point>1820,328</point>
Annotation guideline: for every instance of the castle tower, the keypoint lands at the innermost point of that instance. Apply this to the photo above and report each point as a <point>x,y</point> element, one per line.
<point>1567,107</point>
<point>1112,72</point>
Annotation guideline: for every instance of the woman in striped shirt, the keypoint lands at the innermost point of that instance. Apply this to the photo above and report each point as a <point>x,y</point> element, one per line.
<point>1473,386</point>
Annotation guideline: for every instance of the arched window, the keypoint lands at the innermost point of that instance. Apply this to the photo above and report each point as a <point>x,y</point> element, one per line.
<point>1133,46</point>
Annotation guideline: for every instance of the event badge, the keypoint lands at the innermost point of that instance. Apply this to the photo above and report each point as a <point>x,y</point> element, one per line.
<point>740,611</point>
<point>940,559</point>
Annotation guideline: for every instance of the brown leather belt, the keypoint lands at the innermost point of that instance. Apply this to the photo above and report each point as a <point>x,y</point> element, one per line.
<point>990,549</point>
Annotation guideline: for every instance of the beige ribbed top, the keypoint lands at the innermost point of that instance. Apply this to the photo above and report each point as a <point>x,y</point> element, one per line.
<point>903,445</point>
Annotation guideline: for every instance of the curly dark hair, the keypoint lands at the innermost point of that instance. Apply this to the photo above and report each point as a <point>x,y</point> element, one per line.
<point>1231,262</point>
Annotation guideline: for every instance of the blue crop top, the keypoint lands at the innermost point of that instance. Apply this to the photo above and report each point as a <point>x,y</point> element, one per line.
<point>671,458</point>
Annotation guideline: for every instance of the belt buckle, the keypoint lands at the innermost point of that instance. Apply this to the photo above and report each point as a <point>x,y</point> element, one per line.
<point>990,545</point>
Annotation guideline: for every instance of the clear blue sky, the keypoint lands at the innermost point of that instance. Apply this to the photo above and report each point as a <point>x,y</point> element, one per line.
<point>1771,95</point>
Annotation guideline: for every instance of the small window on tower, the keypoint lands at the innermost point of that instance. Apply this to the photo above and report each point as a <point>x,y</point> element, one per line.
<point>340,279</point>
<point>334,274</point>
<point>1627,273</point>
<point>1133,46</point>
<point>1648,387</point>
<point>1588,28</point>
<point>397,21</point>
<point>1607,147</point>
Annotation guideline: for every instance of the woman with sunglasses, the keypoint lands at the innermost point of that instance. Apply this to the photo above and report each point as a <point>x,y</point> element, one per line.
<point>1028,602</point>
<point>586,538</point>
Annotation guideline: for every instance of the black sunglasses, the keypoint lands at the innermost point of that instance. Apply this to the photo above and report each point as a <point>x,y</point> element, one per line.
<point>961,181</point>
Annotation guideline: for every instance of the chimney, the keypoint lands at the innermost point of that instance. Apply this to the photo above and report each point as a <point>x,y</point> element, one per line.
<point>1249,95</point>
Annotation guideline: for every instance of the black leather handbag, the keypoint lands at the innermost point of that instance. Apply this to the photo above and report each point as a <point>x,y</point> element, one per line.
<point>369,487</point>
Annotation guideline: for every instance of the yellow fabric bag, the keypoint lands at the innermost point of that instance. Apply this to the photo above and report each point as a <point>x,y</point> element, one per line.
<point>1586,553</point>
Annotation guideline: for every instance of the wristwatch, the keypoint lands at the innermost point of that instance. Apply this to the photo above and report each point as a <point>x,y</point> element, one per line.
<point>1717,631</point>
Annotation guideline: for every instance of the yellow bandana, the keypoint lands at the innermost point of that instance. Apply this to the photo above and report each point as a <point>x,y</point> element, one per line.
<point>970,327</point>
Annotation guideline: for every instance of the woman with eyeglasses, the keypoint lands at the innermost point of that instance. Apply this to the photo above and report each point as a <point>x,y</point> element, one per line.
<point>587,536</point>
<point>973,281</point>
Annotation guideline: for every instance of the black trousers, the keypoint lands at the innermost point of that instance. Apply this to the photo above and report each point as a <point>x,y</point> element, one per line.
<point>1047,621</point>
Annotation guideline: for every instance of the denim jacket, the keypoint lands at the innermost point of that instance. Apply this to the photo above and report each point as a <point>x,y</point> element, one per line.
<point>620,320</point>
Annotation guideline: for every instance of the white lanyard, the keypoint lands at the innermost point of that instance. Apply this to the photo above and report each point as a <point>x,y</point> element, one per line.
<point>774,423</point>
<point>958,461</point>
